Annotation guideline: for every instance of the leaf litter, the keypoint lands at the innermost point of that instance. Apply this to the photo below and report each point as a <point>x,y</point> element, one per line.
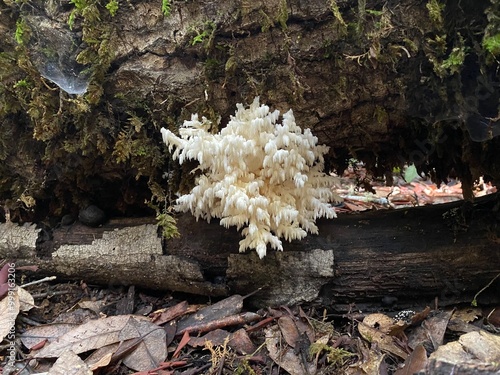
<point>178,337</point>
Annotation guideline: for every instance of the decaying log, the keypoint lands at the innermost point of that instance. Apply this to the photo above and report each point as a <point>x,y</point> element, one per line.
<point>447,251</point>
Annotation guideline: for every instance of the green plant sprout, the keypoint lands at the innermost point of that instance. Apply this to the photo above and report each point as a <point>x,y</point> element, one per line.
<point>165,7</point>
<point>112,7</point>
<point>206,35</point>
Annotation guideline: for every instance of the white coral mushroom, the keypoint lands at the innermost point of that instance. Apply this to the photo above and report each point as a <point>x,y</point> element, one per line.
<point>258,174</point>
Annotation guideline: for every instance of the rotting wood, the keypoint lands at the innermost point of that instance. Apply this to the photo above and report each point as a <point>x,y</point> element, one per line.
<point>408,254</point>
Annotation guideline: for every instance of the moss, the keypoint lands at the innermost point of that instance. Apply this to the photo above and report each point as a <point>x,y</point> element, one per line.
<point>338,16</point>
<point>267,23</point>
<point>282,16</point>
<point>112,7</point>
<point>381,115</point>
<point>435,9</point>
<point>455,60</point>
<point>362,16</point>
<point>492,44</point>
<point>22,33</point>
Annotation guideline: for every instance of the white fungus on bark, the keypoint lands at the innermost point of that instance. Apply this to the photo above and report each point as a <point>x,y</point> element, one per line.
<point>257,174</point>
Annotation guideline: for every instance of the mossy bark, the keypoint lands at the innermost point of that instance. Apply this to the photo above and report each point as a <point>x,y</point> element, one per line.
<point>384,82</point>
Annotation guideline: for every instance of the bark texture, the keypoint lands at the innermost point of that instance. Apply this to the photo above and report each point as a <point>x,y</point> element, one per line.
<point>384,82</point>
<point>412,255</point>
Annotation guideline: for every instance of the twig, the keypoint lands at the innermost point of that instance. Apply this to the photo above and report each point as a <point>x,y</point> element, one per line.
<point>474,302</point>
<point>48,278</point>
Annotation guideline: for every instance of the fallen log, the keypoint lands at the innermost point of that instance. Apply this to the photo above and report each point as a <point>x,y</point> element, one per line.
<point>448,251</point>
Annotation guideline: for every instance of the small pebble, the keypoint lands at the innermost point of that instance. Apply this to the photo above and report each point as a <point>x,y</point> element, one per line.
<point>67,220</point>
<point>92,216</point>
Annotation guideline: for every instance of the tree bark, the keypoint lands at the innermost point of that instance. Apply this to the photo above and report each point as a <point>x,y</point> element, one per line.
<point>448,251</point>
<point>384,82</point>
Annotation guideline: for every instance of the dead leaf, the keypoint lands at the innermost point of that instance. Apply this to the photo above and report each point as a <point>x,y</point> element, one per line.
<point>151,350</point>
<point>228,321</point>
<point>241,343</point>
<point>383,340</point>
<point>381,322</point>
<point>94,306</point>
<point>69,364</point>
<point>284,355</point>
<point>467,314</point>
<point>216,337</point>
<point>219,310</point>
<point>9,309</point>
<point>102,357</point>
<point>184,341</point>
<point>4,276</point>
<point>420,316</point>
<point>165,315</point>
<point>372,364</point>
<point>415,362</point>
<point>492,315</point>
<point>32,337</point>
<point>461,319</point>
<point>431,332</point>
<point>104,361</point>
<point>26,301</point>
<point>289,330</point>
<point>92,335</point>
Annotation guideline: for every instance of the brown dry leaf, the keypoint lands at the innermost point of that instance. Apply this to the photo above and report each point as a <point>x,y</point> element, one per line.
<point>102,362</point>
<point>9,309</point>
<point>92,335</point>
<point>284,355</point>
<point>382,322</point>
<point>431,332</point>
<point>461,318</point>
<point>165,315</point>
<point>398,328</point>
<point>492,315</point>
<point>47,332</point>
<point>420,316</point>
<point>219,310</point>
<point>69,364</point>
<point>94,306</point>
<point>184,341</point>
<point>102,357</point>
<point>151,350</point>
<point>372,365</point>
<point>415,362</point>
<point>383,340</point>
<point>26,301</point>
<point>288,330</point>
<point>241,343</point>
<point>216,337</point>
<point>467,314</point>
<point>304,326</point>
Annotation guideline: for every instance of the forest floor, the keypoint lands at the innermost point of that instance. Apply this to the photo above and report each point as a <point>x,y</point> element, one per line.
<point>75,328</point>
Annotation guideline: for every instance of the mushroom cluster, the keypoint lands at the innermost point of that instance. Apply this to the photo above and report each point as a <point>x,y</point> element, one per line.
<point>260,175</point>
